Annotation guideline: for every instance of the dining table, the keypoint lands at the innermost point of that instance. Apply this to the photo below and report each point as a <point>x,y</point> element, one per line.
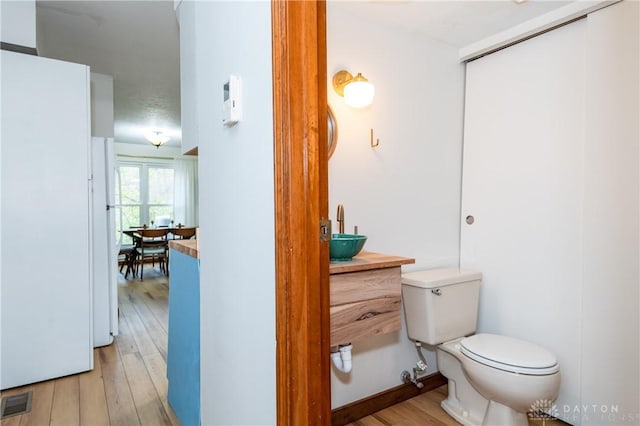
<point>137,238</point>
<point>131,231</point>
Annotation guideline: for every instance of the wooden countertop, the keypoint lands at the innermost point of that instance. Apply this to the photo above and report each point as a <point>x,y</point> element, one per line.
<point>188,247</point>
<point>367,260</point>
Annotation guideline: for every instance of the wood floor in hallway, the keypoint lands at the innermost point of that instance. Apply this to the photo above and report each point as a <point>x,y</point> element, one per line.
<point>128,385</point>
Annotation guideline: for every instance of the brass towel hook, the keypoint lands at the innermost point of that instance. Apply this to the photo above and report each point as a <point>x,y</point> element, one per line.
<point>373,145</point>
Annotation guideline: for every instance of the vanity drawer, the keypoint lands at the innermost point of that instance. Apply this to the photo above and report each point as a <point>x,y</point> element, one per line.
<point>365,285</point>
<point>352,321</point>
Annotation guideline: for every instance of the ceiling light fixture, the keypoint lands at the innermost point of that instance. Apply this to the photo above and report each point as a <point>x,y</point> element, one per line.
<point>156,138</point>
<point>357,91</point>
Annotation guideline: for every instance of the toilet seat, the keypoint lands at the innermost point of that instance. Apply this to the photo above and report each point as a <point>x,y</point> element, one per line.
<point>509,354</point>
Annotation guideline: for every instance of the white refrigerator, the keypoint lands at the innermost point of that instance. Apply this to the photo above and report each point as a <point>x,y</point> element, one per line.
<point>105,244</point>
<point>46,250</point>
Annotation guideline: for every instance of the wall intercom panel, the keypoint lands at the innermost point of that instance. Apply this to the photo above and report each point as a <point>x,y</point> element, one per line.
<point>232,107</point>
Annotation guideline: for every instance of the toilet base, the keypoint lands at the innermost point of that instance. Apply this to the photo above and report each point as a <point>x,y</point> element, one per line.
<point>463,402</point>
<point>498,414</point>
<point>452,407</point>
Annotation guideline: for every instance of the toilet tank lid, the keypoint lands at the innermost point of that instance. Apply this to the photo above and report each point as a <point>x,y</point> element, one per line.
<point>509,351</point>
<point>432,278</point>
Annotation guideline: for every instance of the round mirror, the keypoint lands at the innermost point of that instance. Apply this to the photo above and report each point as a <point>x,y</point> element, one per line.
<point>332,131</point>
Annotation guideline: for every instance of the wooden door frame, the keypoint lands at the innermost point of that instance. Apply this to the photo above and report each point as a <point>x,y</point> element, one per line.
<point>301,201</point>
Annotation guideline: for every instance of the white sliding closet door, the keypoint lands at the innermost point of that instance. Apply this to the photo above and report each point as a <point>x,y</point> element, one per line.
<point>551,178</point>
<point>522,174</point>
<point>611,319</point>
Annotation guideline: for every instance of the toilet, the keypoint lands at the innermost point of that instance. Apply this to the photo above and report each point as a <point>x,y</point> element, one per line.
<point>493,380</point>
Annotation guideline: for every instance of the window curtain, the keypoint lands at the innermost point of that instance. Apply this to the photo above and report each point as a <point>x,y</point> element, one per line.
<point>186,192</point>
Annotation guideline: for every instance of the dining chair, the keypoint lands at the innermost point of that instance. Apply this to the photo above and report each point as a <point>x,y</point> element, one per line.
<point>127,257</point>
<point>183,233</point>
<point>152,243</point>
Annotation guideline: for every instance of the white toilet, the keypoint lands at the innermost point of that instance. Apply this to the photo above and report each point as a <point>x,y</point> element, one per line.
<point>493,380</point>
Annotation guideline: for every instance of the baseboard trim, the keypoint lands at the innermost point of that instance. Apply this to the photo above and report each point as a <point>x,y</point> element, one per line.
<point>371,404</point>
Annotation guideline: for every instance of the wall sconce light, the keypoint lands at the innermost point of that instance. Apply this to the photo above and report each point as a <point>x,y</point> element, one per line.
<point>156,138</point>
<point>357,91</point>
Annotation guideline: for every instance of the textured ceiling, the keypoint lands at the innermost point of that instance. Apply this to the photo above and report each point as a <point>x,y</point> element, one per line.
<point>136,42</point>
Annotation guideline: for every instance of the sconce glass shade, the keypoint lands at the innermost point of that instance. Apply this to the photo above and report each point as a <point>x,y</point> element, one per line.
<point>359,93</point>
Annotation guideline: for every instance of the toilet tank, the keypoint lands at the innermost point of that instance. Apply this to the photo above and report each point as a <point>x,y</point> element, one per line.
<point>440,304</point>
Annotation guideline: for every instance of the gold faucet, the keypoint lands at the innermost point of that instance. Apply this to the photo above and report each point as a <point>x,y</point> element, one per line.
<point>340,219</point>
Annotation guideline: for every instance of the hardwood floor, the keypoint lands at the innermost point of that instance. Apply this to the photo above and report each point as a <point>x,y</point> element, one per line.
<point>424,410</point>
<point>128,385</point>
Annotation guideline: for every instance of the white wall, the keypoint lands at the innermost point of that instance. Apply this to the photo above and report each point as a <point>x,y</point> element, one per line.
<point>237,244</point>
<point>405,194</point>
<point>18,22</point>
<point>101,105</point>
<point>188,81</point>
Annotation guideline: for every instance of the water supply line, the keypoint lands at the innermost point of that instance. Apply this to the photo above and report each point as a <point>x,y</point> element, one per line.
<point>341,357</point>
<point>420,367</point>
<point>422,363</point>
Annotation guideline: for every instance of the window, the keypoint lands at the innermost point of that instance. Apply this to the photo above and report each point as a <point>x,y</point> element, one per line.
<point>144,194</point>
<point>160,193</point>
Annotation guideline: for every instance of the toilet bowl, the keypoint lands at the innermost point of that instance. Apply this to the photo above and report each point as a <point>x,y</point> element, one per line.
<point>493,380</point>
<point>498,380</point>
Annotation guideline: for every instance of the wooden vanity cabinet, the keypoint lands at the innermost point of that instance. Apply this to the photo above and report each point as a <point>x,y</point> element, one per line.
<point>365,296</point>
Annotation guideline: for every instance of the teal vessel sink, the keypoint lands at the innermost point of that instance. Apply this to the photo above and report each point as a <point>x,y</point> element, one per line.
<point>343,247</point>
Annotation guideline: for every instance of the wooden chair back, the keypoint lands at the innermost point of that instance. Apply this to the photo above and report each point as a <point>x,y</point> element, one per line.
<point>152,243</point>
<point>152,233</point>
<point>183,233</point>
